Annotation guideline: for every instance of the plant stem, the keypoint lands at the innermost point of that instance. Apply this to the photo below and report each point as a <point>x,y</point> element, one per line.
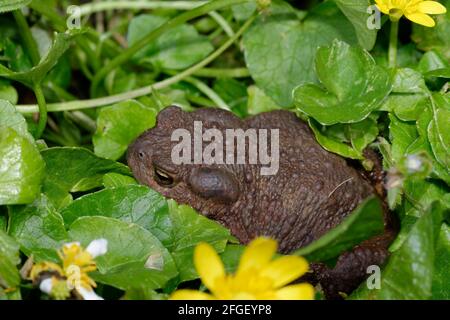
<point>207,91</point>
<point>180,19</point>
<point>27,37</point>
<point>222,73</point>
<point>93,7</point>
<point>222,23</point>
<point>393,41</point>
<point>99,102</point>
<point>42,110</point>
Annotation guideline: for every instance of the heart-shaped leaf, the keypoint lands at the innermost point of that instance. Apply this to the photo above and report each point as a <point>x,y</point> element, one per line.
<point>73,170</point>
<point>356,13</point>
<point>280,49</point>
<point>132,203</point>
<point>353,86</point>
<point>135,257</point>
<point>21,168</point>
<point>119,125</point>
<point>39,229</point>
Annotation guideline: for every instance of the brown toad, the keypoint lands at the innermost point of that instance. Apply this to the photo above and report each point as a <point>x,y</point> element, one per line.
<point>312,191</point>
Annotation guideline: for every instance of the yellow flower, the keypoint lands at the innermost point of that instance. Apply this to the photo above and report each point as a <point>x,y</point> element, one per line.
<point>77,261</point>
<point>415,10</point>
<point>257,277</point>
<point>76,264</point>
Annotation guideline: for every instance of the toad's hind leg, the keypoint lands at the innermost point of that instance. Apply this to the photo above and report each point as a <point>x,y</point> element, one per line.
<point>352,266</point>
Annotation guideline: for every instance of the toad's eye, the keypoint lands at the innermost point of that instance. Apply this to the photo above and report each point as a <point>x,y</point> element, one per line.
<point>163,178</point>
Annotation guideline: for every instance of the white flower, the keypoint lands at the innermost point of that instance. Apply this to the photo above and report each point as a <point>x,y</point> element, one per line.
<point>88,294</point>
<point>46,285</point>
<point>413,163</point>
<point>97,247</point>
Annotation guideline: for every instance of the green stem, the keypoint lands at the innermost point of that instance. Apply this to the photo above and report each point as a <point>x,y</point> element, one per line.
<point>222,73</point>
<point>180,19</point>
<point>393,41</point>
<point>93,7</point>
<point>207,91</point>
<point>27,37</point>
<point>83,120</point>
<point>99,102</point>
<point>222,23</point>
<point>42,110</point>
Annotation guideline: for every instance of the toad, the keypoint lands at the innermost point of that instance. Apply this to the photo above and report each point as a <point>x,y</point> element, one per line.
<point>312,191</point>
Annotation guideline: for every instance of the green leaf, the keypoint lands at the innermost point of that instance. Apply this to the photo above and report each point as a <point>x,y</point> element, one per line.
<point>135,258</point>
<point>362,133</point>
<point>233,92</point>
<point>37,74</point>
<point>119,125</point>
<point>21,165</point>
<point>177,49</point>
<point>9,258</point>
<point>331,143</point>
<point>408,81</point>
<point>242,12</point>
<point>407,107</point>
<point>259,102</point>
<point>131,204</point>
<point>10,118</point>
<point>39,229</point>
<point>179,228</point>
<point>21,168</point>
<point>356,12</point>
<point>409,272</point>
<point>364,222</point>
<point>8,93</point>
<point>16,56</point>
<point>347,140</point>
<point>354,86</point>
<point>190,228</point>
<point>422,143</point>
<point>231,257</point>
<point>441,273</point>
<point>11,5</point>
<point>75,170</point>
<point>420,195</point>
<point>280,49</point>
<point>438,129</point>
<point>114,180</point>
<point>433,64</point>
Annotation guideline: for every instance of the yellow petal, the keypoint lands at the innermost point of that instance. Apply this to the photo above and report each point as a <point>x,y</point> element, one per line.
<point>186,294</point>
<point>258,254</point>
<point>422,19</point>
<point>382,6</point>
<point>208,265</point>
<point>431,7</point>
<point>285,270</point>
<point>302,291</point>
